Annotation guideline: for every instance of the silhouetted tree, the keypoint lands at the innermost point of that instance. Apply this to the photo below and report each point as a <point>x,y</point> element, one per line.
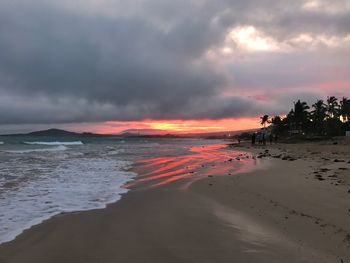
<point>264,120</point>
<point>345,109</point>
<point>298,117</point>
<point>300,111</point>
<point>278,125</point>
<point>323,119</point>
<point>332,107</point>
<point>276,120</point>
<point>318,115</point>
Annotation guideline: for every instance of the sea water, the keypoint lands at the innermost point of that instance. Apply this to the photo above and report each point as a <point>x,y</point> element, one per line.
<point>43,177</point>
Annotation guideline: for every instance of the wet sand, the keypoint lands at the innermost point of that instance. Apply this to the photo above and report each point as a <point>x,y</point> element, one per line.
<point>193,210</point>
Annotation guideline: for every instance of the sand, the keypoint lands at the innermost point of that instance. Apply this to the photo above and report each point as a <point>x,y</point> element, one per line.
<point>292,210</point>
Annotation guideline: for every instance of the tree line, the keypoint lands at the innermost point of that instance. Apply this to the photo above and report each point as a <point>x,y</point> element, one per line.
<point>323,118</point>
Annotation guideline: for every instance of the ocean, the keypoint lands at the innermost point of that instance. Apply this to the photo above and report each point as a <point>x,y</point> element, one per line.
<point>41,177</point>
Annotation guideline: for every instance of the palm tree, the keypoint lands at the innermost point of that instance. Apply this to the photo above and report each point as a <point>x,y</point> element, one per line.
<point>276,120</point>
<point>318,115</point>
<point>297,118</point>
<point>319,112</point>
<point>264,119</point>
<point>330,118</point>
<point>301,114</point>
<point>345,109</point>
<point>332,107</point>
<point>333,123</point>
<point>300,111</point>
<point>278,125</point>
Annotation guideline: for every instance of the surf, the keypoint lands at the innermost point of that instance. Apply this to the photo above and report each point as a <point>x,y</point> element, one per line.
<point>55,143</point>
<point>58,148</point>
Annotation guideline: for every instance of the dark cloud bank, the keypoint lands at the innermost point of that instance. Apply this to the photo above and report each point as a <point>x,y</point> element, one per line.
<point>65,63</point>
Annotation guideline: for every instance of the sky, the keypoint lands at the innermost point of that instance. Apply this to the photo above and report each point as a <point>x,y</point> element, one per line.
<point>187,65</point>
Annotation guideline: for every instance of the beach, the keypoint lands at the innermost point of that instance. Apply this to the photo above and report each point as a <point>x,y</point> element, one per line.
<point>292,205</point>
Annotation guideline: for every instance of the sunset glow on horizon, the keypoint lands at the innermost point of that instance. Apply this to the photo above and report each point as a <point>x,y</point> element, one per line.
<point>172,126</point>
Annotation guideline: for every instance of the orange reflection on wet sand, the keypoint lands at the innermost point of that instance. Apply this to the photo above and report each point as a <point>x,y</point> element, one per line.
<point>200,162</point>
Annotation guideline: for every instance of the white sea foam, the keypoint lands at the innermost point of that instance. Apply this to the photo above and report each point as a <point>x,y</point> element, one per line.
<point>115,152</point>
<point>53,149</point>
<point>55,143</point>
<point>2,143</point>
<point>76,184</point>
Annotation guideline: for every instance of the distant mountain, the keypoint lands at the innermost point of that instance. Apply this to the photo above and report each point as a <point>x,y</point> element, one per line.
<point>53,132</point>
<point>57,133</point>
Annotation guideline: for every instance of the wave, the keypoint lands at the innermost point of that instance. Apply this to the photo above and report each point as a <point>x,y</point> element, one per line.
<point>58,148</point>
<point>2,143</point>
<point>55,143</point>
<point>62,189</point>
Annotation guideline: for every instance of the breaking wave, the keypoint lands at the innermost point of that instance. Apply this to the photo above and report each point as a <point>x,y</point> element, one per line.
<point>55,143</point>
<point>58,148</point>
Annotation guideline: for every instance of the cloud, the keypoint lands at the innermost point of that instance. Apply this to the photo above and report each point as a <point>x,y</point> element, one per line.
<point>92,61</point>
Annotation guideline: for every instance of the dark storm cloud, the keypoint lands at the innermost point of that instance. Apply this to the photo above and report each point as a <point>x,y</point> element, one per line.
<point>109,60</point>
<point>67,62</point>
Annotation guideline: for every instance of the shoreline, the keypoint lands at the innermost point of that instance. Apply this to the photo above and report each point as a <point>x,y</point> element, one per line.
<point>207,222</point>
<point>9,233</point>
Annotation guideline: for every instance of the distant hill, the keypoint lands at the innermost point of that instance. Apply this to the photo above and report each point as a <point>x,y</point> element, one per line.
<point>53,132</point>
<point>56,133</point>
